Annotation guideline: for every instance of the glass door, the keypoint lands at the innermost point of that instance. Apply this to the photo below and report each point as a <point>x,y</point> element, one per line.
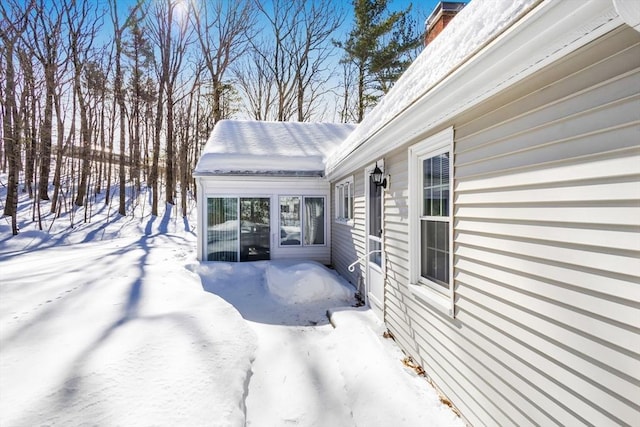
<point>255,232</point>
<point>238,229</point>
<point>375,260</point>
<point>222,229</point>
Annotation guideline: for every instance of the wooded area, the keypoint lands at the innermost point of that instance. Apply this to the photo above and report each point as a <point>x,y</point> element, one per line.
<point>94,94</point>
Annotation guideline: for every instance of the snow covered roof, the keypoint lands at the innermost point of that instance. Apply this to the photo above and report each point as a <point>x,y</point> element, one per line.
<point>474,27</point>
<point>274,148</point>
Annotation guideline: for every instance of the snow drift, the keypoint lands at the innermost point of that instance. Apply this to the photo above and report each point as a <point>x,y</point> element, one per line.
<point>304,282</point>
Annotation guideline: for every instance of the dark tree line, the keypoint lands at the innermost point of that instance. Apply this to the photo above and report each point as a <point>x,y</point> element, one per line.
<point>93,95</point>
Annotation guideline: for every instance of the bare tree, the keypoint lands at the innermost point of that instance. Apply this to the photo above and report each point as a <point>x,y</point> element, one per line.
<point>82,23</point>
<point>282,20</point>
<point>138,49</point>
<point>309,49</point>
<point>223,30</point>
<point>119,93</point>
<point>253,76</point>
<point>12,26</point>
<point>29,117</point>
<point>287,73</point>
<point>171,33</point>
<point>45,40</point>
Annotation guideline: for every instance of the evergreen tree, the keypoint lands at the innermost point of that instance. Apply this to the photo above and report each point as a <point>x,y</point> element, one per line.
<point>379,47</point>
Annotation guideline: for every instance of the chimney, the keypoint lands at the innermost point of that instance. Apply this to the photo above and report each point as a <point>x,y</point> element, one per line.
<point>440,17</point>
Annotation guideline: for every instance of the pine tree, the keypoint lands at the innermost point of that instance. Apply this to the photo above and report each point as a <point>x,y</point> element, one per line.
<point>379,47</point>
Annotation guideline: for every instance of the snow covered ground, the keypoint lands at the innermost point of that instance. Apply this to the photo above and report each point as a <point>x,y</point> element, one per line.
<point>116,323</point>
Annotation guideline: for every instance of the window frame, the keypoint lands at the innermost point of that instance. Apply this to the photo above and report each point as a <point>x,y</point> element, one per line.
<point>439,295</point>
<point>302,203</point>
<point>347,185</point>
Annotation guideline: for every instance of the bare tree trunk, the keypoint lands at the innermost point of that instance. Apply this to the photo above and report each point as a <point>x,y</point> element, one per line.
<point>169,171</point>
<point>45,134</point>
<point>119,94</point>
<point>101,159</point>
<point>85,148</point>
<point>11,134</point>
<point>112,132</point>
<point>155,158</point>
<point>30,124</point>
<point>59,154</point>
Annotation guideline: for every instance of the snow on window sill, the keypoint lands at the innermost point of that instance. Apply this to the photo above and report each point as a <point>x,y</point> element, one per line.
<point>344,221</point>
<point>432,298</point>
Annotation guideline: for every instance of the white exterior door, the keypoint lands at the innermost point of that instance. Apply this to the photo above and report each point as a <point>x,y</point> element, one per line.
<point>374,245</point>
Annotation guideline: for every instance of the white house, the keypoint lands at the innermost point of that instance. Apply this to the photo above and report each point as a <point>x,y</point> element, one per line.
<point>503,250</point>
<point>262,192</point>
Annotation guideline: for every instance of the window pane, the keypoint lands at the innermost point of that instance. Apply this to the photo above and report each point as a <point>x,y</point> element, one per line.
<point>426,205</point>
<point>290,227</point>
<point>426,173</point>
<point>375,209</point>
<point>314,220</point>
<point>350,201</point>
<point>435,185</point>
<point>434,251</point>
<point>375,257</point>
<point>222,229</point>
<point>345,195</point>
<point>255,234</point>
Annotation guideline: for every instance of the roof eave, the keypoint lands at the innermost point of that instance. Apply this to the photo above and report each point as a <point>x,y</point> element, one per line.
<point>277,173</point>
<point>546,32</point>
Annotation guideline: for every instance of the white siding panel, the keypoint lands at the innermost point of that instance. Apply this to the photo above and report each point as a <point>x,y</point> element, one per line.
<point>612,240</point>
<point>590,280</point>
<point>546,249</point>
<point>562,192</point>
<point>606,166</point>
<point>348,240</point>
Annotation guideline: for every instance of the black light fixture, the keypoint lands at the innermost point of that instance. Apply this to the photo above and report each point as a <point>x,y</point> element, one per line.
<point>378,177</point>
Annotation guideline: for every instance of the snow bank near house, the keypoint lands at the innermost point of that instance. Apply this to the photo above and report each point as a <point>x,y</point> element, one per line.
<point>380,380</point>
<point>305,282</point>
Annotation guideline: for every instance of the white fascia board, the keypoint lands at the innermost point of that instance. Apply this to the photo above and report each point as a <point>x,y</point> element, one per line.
<point>549,32</point>
<point>240,185</point>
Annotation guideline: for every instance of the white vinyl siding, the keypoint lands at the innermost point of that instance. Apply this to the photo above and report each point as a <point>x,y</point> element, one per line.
<point>546,249</point>
<point>348,242</point>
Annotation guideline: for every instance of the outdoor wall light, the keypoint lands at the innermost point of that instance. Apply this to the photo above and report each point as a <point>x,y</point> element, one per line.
<point>378,177</point>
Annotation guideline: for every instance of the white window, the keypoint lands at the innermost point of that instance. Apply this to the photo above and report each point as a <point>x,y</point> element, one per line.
<point>344,200</point>
<point>302,220</point>
<point>431,234</point>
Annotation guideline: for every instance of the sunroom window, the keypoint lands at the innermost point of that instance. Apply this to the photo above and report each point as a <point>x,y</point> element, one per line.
<point>302,220</point>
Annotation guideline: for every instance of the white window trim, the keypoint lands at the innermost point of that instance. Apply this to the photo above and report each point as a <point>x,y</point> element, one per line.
<point>340,186</point>
<point>435,295</point>
<point>303,198</point>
